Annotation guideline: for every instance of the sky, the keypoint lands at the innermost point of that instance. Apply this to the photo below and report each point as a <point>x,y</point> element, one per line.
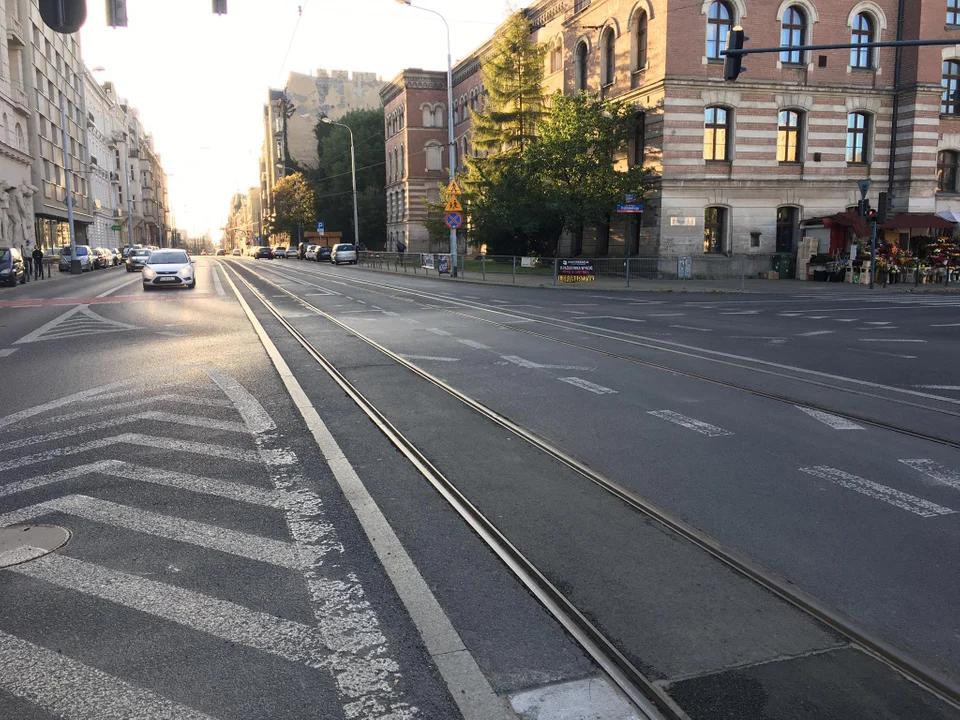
<point>200,80</point>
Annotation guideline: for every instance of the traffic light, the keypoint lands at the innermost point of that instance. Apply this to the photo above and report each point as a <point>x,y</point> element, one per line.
<point>220,7</point>
<point>117,13</point>
<point>882,206</point>
<point>63,16</point>
<point>733,64</point>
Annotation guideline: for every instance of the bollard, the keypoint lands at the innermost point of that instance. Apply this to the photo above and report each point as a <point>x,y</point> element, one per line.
<point>556,269</point>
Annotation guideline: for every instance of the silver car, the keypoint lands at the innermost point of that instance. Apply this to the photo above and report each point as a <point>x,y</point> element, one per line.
<point>169,268</point>
<point>343,253</point>
<point>84,255</point>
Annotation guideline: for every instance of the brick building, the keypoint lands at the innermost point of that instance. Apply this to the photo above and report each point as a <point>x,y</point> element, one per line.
<point>743,164</point>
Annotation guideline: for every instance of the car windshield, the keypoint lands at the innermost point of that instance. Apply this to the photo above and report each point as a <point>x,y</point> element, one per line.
<point>169,257</point>
<point>81,251</point>
<point>4,254</point>
<point>344,248</point>
<point>140,253</point>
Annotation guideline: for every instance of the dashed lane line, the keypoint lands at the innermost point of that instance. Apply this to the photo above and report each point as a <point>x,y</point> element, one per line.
<point>431,358</point>
<point>524,363</point>
<point>587,385</point>
<point>690,423</point>
<point>891,340</point>
<point>834,421</point>
<point>935,471</point>
<point>814,333</point>
<point>473,344</point>
<point>691,327</point>
<point>904,501</point>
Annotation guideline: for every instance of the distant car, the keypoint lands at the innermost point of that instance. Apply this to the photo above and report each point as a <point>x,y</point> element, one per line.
<point>137,259</point>
<point>84,255</point>
<point>12,269</point>
<point>117,256</point>
<point>343,253</point>
<point>100,259</point>
<point>236,252</point>
<point>280,252</point>
<point>323,254</point>
<point>221,251</point>
<point>172,268</point>
<point>310,253</point>
<point>264,253</point>
<point>293,252</point>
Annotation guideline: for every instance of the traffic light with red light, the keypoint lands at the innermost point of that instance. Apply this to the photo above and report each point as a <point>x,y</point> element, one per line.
<point>63,16</point>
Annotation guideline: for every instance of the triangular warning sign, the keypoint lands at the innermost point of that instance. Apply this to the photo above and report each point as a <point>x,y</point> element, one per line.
<point>453,205</point>
<point>454,188</point>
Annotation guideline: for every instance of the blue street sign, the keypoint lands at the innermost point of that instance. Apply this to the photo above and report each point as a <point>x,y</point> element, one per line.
<point>320,227</point>
<point>453,220</point>
<point>630,208</point>
<point>630,198</point>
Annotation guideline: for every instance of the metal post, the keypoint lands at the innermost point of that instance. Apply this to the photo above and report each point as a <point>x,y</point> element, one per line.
<point>514,269</point>
<point>556,269</point>
<point>75,267</point>
<point>873,254</point>
<point>353,175</point>
<point>743,270</point>
<point>126,181</point>
<point>483,267</point>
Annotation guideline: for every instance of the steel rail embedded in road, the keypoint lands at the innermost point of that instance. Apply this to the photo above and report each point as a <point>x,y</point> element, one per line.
<point>929,679</point>
<point>646,696</point>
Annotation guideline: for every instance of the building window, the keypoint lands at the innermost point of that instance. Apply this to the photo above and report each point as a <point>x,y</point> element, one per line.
<point>950,101</point>
<point>402,162</point>
<point>640,53</point>
<point>438,116</point>
<point>389,167</point>
<point>789,136</point>
<point>953,12</point>
<point>18,137</point>
<point>434,157</point>
<point>556,56</point>
<point>427,116</point>
<point>862,33</point>
<point>580,62</point>
<point>947,163</point>
<point>858,125</point>
<point>609,57</point>
<point>579,5</point>
<point>715,133</point>
<point>788,220</point>
<point>714,229</point>
<point>719,22</point>
<point>792,35</point>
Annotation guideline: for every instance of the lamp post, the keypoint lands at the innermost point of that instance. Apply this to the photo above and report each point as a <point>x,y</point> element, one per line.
<point>353,173</point>
<point>453,172</point>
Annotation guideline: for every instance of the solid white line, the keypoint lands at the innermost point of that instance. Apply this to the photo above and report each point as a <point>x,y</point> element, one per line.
<point>902,500</point>
<point>947,325</point>
<point>834,421</point>
<point>816,332</point>
<point>469,688</point>
<point>742,312</point>
<point>935,471</point>
<point>588,386</point>
<point>255,417</point>
<point>228,621</point>
<point>69,689</point>
<point>689,423</point>
<point>430,357</point>
<point>666,314</point>
<point>252,547</point>
<point>523,362</point>
<point>905,357</point>
<point>690,327</point>
<point>218,286</point>
<point>6,352</point>
<point>897,340</point>
<point>609,317</point>
<point>474,344</point>
<point>939,387</point>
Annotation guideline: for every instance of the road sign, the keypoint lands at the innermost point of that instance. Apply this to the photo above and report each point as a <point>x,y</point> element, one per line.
<point>116,227</point>
<point>454,188</point>
<point>630,208</point>
<point>320,228</point>
<point>864,185</point>
<point>453,220</point>
<point>453,205</point>
<point>630,197</point>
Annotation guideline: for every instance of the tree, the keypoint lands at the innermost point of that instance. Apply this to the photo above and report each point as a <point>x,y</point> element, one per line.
<point>293,206</point>
<point>334,202</point>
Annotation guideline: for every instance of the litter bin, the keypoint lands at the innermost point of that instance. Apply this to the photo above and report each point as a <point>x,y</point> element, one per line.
<point>783,265</point>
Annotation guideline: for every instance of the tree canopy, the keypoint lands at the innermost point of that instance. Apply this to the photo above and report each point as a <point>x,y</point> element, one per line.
<point>293,206</point>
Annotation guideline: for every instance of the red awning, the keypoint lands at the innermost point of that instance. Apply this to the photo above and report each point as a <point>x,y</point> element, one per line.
<point>848,219</point>
<point>905,221</point>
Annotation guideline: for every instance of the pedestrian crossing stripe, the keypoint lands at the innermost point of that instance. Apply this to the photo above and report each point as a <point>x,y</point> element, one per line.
<point>77,322</point>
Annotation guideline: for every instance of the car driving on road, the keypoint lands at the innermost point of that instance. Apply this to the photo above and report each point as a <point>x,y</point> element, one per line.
<point>137,259</point>
<point>343,253</point>
<point>172,268</point>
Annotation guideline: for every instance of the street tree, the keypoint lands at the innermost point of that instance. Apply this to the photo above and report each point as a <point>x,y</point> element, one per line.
<point>293,204</point>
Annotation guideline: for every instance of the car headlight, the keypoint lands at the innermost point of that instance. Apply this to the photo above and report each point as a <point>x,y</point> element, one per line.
<point>185,271</point>
<point>149,272</point>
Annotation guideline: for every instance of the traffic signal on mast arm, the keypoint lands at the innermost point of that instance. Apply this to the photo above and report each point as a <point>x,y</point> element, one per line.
<point>63,16</point>
<point>117,13</point>
<point>220,7</point>
<point>733,64</point>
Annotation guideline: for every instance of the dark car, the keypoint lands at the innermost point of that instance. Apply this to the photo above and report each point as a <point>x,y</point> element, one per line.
<point>263,252</point>
<point>323,254</point>
<point>220,252</point>
<point>12,269</point>
<point>137,259</point>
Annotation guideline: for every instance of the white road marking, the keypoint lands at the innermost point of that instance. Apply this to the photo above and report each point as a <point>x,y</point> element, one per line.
<point>138,403</point>
<point>390,313</point>
<point>579,304</point>
<point>834,421</point>
<point>875,328</point>
<point>939,387</point>
<point>899,340</point>
<point>69,325</point>
<point>756,337</point>
<point>574,312</point>
<point>122,285</point>
<point>905,357</point>
<point>947,325</point>
<point>777,341</point>
<point>361,302</point>
<point>902,500</point>
<point>255,417</point>
<point>845,319</point>
<point>211,537</point>
<point>742,312</point>
<point>666,315</point>
<point>6,352</point>
<point>816,332</point>
<point>936,471</point>
<point>609,317</point>
<point>691,327</point>
<point>474,344</point>
<point>411,321</point>
<point>588,386</point>
<point>60,402</point>
<point>41,676</point>
<point>523,362</point>
<point>356,312</point>
<point>689,423</point>
<point>217,285</point>
<point>587,698</point>
<point>877,322</point>
<point>789,314</point>
<point>228,621</point>
<point>517,321</point>
<point>438,331</point>
<point>430,357</point>
<point>816,317</point>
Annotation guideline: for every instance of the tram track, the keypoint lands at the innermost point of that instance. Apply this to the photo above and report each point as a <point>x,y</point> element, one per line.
<point>646,694</point>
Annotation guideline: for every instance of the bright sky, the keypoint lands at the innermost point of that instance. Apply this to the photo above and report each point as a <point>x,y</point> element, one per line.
<point>200,80</point>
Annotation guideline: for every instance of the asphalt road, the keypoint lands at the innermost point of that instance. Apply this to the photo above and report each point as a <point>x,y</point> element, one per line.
<point>218,568</point>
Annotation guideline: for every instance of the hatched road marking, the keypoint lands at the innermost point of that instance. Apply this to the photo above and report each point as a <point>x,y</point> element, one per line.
<point>834,421</point>
<point>689,423</point>
<point>935,471</point>
<point>79,321</point>
<point>897,498</point>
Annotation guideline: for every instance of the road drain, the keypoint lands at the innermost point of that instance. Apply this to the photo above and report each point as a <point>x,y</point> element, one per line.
<point>22,543</point>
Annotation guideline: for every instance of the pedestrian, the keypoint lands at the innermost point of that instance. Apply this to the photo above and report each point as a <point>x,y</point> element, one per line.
<point>38,263</point>
<point>28,264</point>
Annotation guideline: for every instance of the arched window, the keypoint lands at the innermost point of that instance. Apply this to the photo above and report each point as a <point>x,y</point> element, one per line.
<point>789,136</point>
<point>403,203</point>
<point>580,62</point>
<point>438,116</point>
<point>556,55</point>
<point>950,101</point>
<point>715,134</point>
<point>609,56</point>
<point>714,229</point>
<point>434,156</point>
<point>788,222</point>
<point>953,12</point>
<point>947,164</point>
<point>403,162</point>
<point>719,22</point>
<point>793,33</point>
<point>400,126</point>
<point>858,131</point>
<point>640,41</point>
<point>18,137</point>
<point>390,169</point>
<point>861,34</point>
<point>427,116</point>
<point>396,163</point>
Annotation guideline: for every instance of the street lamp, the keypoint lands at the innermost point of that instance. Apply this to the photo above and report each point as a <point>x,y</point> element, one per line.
<point>353,172</point>
<point>453,233</point>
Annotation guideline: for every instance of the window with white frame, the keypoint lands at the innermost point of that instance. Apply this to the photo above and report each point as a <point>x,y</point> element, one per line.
<point>719,23</point>
<point>793,34</point>
<point>609,60</point>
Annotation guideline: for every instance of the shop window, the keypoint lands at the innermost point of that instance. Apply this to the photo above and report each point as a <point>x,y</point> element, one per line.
<point>714,229</point>
<point>947,164</point>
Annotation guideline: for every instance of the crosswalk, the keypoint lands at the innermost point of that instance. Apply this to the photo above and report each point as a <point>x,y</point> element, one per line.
<point>221,537</point>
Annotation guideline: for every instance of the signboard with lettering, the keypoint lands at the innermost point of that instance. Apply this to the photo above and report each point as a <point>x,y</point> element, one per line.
<point>443,264</point>
<point>683,221</point>
<point>571,271</point>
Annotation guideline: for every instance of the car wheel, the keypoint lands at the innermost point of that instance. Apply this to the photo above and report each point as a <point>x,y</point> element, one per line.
<point>192,285</point>
<point>147,288</point>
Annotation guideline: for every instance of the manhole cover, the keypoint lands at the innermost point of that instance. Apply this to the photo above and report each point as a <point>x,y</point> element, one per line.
<point>21,543</point>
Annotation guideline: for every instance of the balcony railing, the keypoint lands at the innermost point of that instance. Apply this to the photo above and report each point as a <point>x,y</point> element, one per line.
<point>15,31</point>
<point>19,96</point>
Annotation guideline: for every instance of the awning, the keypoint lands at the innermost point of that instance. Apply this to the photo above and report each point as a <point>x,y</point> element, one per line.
<point>905,221</point>
<point>950,215</point>
<point>844,219</point>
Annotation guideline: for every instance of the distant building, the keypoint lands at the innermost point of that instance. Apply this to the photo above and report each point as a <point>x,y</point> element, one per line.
<point>104,166</point>
<point>15,158</point>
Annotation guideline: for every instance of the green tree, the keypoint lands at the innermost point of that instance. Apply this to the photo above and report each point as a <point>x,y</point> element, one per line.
<point>293,206</point>
<point>334,203</point>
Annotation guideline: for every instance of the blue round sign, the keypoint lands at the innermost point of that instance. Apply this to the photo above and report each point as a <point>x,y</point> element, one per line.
<point>453,220</point>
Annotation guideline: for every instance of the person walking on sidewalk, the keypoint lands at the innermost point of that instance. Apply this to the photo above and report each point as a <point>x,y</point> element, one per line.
<point>38,263</point>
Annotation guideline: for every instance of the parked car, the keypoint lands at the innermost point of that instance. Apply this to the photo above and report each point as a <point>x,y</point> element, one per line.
<point>12,269</point>
<point>117,257</point>
<point>310,253</point>
<point>264,252</point>
<point>236,252</point>
<point>172,268</point>
<point>323,253</point>
<point>100,259</point>
<point>84,255</point>
<point>137,259</point>
<point>280,252</point>
<point>293,252</point>
<point>221,252</point>
<point>343,253</point>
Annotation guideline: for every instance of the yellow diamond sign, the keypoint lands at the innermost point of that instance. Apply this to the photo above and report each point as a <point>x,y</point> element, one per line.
<point>454,188</point>
<point>453,205</point>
